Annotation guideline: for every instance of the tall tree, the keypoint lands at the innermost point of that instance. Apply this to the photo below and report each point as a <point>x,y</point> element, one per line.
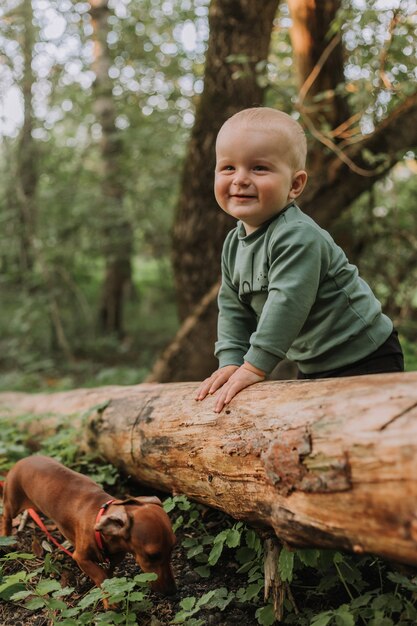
<point>240,32</point>
<point>117,230</point>
<point>238,46</point>
<point>27,175</point>
<point>340,165</point>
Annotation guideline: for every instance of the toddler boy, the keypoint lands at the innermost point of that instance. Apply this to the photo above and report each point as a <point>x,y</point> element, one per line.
<point>287,288</point>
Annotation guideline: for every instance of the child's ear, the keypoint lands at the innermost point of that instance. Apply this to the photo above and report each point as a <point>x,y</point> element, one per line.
<point>298,183</point>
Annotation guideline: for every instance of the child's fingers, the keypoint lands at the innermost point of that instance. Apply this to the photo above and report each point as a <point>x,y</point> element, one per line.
<point>203,390</point>
<point>218,382</point>
<point>226,395</point>
<point>211,384</point>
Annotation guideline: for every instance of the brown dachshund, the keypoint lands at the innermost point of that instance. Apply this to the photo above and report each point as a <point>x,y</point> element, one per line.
<point>99,527</point>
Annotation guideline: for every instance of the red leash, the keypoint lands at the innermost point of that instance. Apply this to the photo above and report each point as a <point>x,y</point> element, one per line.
<point>42,526</point>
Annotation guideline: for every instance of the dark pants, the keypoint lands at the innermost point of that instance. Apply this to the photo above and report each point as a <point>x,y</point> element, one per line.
<point>387,358</point>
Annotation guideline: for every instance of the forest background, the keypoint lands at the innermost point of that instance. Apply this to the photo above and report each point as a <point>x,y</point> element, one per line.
<point>110,235</point>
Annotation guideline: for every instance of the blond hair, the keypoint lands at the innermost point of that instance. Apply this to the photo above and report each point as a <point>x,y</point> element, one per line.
<point>268,119</point>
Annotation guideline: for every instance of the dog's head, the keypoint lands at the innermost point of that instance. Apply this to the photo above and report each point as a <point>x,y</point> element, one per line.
<point>141,526</point>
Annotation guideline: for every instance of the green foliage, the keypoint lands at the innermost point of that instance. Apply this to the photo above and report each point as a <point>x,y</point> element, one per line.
<point>328,587</point>
<point>157,53</point>
<point>379,232</point>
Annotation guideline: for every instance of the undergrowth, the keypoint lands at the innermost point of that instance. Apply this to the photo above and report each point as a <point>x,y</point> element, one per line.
<point>320,587</point>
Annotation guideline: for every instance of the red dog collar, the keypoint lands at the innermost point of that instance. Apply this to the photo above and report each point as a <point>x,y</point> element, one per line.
<point>97,534</point>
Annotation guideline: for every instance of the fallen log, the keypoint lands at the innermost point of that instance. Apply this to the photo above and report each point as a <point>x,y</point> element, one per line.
<point>329,463</point>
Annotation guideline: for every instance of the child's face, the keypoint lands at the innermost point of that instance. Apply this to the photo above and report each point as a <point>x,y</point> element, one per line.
<point>254,179</point>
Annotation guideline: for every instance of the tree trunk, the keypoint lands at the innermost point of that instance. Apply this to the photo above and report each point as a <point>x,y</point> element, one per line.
<point>240,32</point>
<point>339,172</point>
<point>27,174</point>
<point>319,63</point>
<point>329,463</point>
<point>116,228</point>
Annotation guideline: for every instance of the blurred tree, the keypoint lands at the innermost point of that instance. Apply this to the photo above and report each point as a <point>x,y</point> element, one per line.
<point>25,181</point>
<point>345,161</point>
<point>238,46</point>
<point>116,227</point>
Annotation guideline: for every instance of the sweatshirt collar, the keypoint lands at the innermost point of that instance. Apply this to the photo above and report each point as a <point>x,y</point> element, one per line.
<point>241,232</point>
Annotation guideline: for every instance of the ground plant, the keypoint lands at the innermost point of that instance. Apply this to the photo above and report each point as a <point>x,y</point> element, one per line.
<point>219,565</point>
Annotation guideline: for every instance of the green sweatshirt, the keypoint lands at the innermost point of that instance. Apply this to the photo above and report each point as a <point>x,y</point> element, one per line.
<point>289,291</point>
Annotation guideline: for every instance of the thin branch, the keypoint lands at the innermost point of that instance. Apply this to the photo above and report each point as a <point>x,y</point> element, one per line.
<point>312,77</point>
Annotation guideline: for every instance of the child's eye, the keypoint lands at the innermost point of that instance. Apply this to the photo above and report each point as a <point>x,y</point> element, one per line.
<point>260,168</point>
<point>227,168</point>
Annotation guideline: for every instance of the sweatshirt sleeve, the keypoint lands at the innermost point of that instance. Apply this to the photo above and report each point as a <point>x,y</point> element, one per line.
<point>300,257</point>
<point>236,321</point>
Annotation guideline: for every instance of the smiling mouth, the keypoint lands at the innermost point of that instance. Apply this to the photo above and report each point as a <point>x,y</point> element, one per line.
<point>242,196</point>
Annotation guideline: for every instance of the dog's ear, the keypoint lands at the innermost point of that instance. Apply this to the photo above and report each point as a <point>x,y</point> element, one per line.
<point>139,500</point>
<point>116,523</point>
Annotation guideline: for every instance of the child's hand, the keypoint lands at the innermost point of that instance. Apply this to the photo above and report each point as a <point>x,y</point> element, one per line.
<point>243,377</point>
<point>215,381</point>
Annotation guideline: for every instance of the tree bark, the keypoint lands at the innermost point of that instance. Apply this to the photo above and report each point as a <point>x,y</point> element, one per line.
<point>116,229</point>
<point>240,32</point>
<point>329,463</point>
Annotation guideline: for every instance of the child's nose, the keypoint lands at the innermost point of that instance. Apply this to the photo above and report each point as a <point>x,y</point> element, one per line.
<point>241,177</point>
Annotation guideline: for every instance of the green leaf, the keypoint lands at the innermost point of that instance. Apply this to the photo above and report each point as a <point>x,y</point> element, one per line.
<point>137,596</point>
<point>145,578</point>
<point>252,591</point>
<point>35,603</point>
<point>188,603</point>
<point>251,538</point>
<point>361,601</point>
<point>286,565</point>
<point>265,615</point>
<point>215,553</point>
<point>7,541</point>
<point>194,551</point>
<point>206,597</point>
<point>47,586</point>
<point>322,619</point>
<point>344,617</point>
<point>233,538</point>
<point>18,556</point>
<point>220,599</point>
<point>21,595</point>
<point>203,570</point>
<point>405,582</point>
<point>92,597</point>
<point>56,605</point>
<point>86,618</point>
<point>65,591</point>
<point>308,557</point>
